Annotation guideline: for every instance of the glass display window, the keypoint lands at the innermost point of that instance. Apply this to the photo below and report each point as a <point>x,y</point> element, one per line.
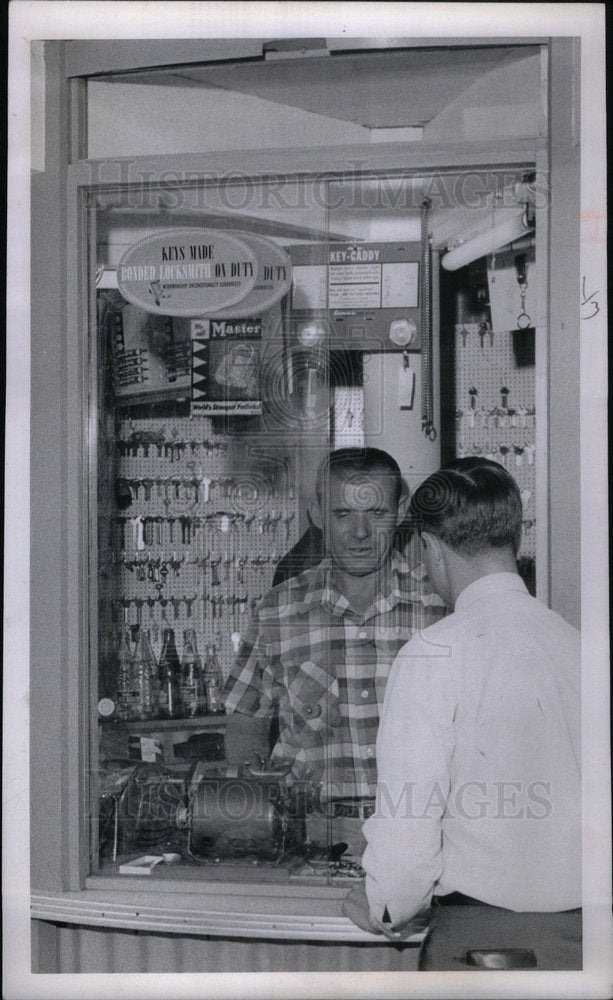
<point>234,348</point>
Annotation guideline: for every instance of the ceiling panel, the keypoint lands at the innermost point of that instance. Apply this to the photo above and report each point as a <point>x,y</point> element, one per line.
<point>376,90</point>
<point>389,89</point>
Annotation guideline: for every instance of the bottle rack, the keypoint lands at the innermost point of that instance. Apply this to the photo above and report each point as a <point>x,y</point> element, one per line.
<point>498,425</point>
<point>199,542</point>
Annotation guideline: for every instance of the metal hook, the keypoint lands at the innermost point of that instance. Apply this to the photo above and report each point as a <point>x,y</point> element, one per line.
<point>521,269</point>
<point>523,321</point>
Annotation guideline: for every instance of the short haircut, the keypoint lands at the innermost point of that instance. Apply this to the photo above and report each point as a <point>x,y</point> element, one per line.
<point>347,462</point>
<point>472,504</point>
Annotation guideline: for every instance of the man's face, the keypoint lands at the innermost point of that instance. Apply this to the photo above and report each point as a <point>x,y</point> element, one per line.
<point>359,521</point>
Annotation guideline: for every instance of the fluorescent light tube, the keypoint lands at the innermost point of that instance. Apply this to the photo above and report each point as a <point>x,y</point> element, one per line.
<point>493,239</point>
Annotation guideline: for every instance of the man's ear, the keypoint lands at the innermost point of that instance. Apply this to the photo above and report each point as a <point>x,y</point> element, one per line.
<point>403,505</point>
<point>315,513</point>
<point>433,544</point>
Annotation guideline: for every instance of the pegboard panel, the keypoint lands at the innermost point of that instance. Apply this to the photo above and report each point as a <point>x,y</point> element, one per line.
<point>198,544</point>
<point>495,409</point>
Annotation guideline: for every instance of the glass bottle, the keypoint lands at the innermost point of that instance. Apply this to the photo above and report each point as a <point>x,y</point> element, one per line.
<point>127,695</point>
<point>193,695</point>
<point>169,678</point>
<point>213,680</point>
<point>144,672</point>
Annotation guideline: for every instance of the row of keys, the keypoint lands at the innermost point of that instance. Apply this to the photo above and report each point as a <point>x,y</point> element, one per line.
<point>154,569</point>
<point>500,415</point>
<point>484,331</point>
<point>520,453</point>
<point>140,444</point>
<point>191,487</point>
<point>237,604</point>
<point>497,417</point>
<point>161,530</point>
<point>229,559</point>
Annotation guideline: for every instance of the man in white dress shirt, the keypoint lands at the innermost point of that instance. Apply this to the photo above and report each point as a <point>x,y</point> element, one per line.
<point>479,798</point>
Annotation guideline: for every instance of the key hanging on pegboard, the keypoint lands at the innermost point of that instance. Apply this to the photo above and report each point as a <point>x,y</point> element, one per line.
<point>406,382</point>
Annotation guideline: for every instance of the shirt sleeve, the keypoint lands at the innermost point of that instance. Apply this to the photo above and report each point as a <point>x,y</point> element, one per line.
<point>403,859</point>
<point>248,686</point>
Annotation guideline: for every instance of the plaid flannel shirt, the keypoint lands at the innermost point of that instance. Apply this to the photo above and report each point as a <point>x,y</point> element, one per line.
<point>324,667</point>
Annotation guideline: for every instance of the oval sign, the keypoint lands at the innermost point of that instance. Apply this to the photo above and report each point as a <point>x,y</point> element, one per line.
<point>273,280</point>
<point>187,272</point>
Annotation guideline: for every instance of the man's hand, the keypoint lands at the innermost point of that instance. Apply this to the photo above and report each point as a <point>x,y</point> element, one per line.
<point>355,906</point>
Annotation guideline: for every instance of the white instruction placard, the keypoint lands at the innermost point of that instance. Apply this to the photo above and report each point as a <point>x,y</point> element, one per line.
<point>400,285</point>
<point>354,286</point>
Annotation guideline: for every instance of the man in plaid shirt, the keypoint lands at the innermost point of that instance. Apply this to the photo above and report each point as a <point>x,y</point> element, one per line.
<point>320,645</point>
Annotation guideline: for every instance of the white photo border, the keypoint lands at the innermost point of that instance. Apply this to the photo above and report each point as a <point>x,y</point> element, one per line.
<point>47,19</point>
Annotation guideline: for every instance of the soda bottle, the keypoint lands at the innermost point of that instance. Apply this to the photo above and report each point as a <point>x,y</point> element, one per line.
<point>169,678</point>
<point>127,694</point>
<point>144,672</point>
<point>193,695</point>
<point>213,680</point>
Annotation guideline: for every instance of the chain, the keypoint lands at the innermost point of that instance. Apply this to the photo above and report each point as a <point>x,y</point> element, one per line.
<point>427,419</point>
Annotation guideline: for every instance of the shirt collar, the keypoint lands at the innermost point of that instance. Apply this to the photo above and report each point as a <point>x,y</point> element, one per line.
<point>485,586</point>
<point>402,584</point>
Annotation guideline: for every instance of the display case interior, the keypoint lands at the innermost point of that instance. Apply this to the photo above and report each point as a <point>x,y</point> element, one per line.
<point>208,433</point>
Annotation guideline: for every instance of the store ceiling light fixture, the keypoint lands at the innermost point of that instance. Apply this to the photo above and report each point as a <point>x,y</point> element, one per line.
<point>493,239</point>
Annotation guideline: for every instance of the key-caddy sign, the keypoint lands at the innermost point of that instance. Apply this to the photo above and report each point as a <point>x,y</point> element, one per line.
<point>187,272</point>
